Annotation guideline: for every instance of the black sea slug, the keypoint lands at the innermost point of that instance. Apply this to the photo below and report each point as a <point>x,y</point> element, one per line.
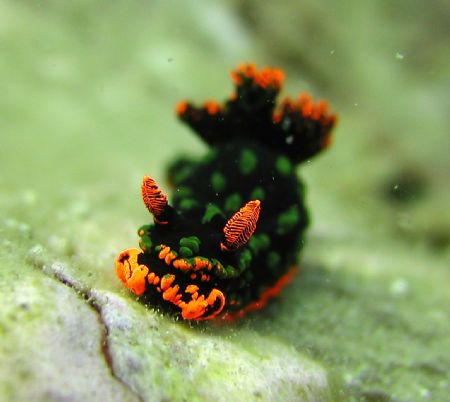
<point>231,236</point>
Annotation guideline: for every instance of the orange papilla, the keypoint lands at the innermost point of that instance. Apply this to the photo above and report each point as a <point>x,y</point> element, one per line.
<point>305,106</point>
<point>171,294</point>
<point>191,288</point>
<point>243,70</point>
<point>152,279</point>
<point>241,225</point>
<point>270,77</point>
<point>196,307</point>
<point>265,78</point>
<point>154,199</point>
<point>214,295</point>
<point>181,108</point>
<point>270,292</point>
<point>303,98</point>
<point>169,258</point>
<point>276,117</point>
<point>130,272</point>
<point>211,107</point>
<point>166,281</point>
<point>200,264</point>
<point>182,264</point>
<point>319,110</point>
<point>165,250</point>
<point>307,110</point>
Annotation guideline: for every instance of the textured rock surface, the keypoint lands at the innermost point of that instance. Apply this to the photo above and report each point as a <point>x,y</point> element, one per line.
<point>87,100</point>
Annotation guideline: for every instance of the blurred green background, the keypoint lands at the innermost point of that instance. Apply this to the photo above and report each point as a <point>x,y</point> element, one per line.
<point>87,93</point>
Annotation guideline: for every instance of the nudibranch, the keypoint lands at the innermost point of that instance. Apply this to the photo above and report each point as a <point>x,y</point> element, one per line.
<point>230,238</point>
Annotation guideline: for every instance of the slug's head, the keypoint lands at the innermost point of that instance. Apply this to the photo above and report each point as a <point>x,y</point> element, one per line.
<point>187,258</point>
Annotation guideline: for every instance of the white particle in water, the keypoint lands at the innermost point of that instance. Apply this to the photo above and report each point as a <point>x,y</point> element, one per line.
<point>399,287</point>
<point>289,139</point>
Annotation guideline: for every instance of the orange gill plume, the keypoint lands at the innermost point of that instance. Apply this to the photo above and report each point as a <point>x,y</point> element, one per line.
<point>154,199</point>
<point>241,226</point>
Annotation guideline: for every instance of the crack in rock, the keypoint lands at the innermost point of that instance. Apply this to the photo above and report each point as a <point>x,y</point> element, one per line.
<point>56,271</point>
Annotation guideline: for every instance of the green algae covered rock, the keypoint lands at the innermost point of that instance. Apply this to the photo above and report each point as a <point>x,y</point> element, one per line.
<point>87,92</point>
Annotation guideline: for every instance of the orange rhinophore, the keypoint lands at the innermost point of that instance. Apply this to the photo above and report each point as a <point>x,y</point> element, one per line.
<point>154,199</point>
<point>241,226</point>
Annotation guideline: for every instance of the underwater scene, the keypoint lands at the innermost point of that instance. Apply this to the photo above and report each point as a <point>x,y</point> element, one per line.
<point>231,201</point>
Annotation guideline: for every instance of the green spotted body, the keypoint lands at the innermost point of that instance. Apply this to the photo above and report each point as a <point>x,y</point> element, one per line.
<point>275,244</point>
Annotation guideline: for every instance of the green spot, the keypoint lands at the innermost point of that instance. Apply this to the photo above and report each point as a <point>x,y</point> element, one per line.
<point>287,220</point>
<point>181,175</point>
<point>192,242</point>
<point>211,211</point>
<point>273,260</point>
<point>245,258</point>
<point>231,272</point>
<point>258,193</point>
<point>259,242</point>
<point>183,192</point>
<point>264,240</point>
<point>283,165</point>
<point>233,202</point>
<point>186,252</point>
<point>143,228</point>
<point>145,243</point>
<point>218,181</point>
<point>187,203</point>
<point>247,161</point>
<point>209,157</point>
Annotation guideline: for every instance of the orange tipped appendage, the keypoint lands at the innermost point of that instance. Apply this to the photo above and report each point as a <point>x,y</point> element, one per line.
<point>241,226</point>
<point>309,110</point>
<point>267,77</point>
<point>181,108</point>
<point>130,272</point>
<point>154,199</point>
<point>182,264</point>
<point>306,110</point>
<point>198,305</point>
<point>211,107</point>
